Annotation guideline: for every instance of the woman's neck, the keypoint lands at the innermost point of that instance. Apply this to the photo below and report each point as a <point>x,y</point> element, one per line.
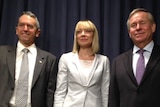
<point>86,54</point>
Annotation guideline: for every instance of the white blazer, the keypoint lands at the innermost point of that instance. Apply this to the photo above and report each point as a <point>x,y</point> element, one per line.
<point>71,91</point>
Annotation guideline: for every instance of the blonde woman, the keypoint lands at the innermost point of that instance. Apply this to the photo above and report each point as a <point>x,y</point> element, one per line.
<point>83,75</point>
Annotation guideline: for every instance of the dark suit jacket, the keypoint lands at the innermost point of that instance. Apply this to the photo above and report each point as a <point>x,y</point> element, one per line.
<point>44,78</point>
<point>124,90</point>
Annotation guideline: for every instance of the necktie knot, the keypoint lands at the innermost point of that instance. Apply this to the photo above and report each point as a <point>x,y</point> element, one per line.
<point>141,51</point>
<point>25,50</point>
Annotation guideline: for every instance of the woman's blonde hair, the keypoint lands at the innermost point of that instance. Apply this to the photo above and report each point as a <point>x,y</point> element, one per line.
<point>86,24</point>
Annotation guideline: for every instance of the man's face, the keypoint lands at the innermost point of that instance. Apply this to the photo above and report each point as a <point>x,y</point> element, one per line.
<point>141,29</point>
<point>26,30</point>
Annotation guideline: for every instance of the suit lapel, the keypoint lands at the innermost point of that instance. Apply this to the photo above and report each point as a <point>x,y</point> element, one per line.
<point>79,69</point>
<point>128,65</point>
<point>11,60</point>
<point>40,60</point>
<point>78,66</point>
<point>94,66</point>
<point>154,58</point>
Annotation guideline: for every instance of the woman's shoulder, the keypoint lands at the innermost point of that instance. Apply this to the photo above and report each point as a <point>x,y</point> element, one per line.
<point>68,55</point>
<point>101,56</point>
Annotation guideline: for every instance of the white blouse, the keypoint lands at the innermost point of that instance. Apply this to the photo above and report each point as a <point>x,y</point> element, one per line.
<point>86,67</point>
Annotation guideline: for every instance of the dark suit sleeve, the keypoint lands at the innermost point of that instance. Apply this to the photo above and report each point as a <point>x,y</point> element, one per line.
<point>52,82</point>
<point>113,89</point>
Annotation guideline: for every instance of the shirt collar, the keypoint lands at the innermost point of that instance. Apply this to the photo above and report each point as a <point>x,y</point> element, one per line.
<point>147,48</point>
<point>20,47</point>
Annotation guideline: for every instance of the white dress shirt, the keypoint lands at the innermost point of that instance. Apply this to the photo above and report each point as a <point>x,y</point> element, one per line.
<point>32,54</point>
<point>146,54</point>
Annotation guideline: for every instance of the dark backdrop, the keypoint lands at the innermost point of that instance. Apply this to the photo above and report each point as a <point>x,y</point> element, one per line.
<point>58,19</point>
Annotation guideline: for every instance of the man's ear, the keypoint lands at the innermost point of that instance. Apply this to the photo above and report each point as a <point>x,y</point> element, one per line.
<point>38,33</point>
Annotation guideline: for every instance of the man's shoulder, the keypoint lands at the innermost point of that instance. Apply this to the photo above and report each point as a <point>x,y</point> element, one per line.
<point>6,47</point>
<point>157,47</point>
<point>45,52</point>
<point>124,55</point>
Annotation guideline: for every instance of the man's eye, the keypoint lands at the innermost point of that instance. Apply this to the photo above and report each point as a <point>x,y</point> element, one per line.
<point>133,25</point>
<point>26,25</point>
<point>20,25</point>
<point>30,26</point>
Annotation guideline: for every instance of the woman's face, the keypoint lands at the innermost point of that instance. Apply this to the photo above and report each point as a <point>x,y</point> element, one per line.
<point>84,37</point>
